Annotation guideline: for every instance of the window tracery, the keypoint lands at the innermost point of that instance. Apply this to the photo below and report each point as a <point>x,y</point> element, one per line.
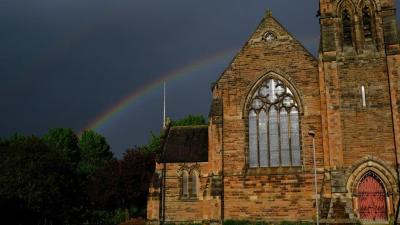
<point>274,131</point>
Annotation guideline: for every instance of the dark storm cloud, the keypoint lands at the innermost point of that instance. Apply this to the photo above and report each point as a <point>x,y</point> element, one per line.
<point>63,62</point>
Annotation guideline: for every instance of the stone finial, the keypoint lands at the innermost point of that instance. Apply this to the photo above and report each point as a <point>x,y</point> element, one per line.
<point>268,13</point>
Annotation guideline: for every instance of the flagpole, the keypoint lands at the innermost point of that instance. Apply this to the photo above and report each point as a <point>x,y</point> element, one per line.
<point>164,124</point>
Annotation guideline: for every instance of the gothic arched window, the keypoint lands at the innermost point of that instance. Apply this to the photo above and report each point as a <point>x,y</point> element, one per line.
<point>185,184</point>
<point>194,184</point>
<point>274,131</point>
<point>367,22</point>
<point>347,28</point>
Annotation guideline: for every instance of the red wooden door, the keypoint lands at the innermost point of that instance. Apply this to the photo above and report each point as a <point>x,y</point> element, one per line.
<point>371,199</point>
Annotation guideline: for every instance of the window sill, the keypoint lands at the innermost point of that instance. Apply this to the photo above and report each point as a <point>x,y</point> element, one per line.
<point>187,199</point>
<point>273,170</point>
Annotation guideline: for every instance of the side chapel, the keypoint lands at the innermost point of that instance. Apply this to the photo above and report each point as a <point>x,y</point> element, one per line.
<point>254,161</point>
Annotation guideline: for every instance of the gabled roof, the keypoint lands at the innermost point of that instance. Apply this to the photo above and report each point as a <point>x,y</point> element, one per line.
<point>185,144</point>
<point>266,23</point>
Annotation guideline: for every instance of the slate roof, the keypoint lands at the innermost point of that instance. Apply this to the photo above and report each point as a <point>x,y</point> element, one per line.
<point>185,144</point>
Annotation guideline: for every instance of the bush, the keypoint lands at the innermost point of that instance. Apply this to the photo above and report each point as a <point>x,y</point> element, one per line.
<point>261,223</point>
<point>237,222</point>
<point>246,222</point>
<point>102,217</point>
<point>135,221</point>
<point>295,223</point>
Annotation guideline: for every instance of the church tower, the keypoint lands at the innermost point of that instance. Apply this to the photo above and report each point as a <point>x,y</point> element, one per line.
<point>359,67</point>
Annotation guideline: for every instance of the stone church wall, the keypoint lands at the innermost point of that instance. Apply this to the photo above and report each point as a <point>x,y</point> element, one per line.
<point>284,193</point>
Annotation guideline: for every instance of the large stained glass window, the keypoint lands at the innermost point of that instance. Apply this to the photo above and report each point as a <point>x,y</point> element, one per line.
<point>274,131</point>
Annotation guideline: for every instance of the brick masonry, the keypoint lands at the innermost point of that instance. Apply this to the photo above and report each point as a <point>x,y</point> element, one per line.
<point>351,139</point>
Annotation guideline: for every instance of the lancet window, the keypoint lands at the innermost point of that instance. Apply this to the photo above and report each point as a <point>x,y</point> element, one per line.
<point>367,22</point>
<point>185,184</point>
<point>274,126</point>
<point>189,184</point>
<point>194,184</point>
<point>347,28</point>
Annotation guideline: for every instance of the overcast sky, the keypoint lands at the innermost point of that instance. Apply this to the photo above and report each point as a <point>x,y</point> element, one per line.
<point>64,62</point>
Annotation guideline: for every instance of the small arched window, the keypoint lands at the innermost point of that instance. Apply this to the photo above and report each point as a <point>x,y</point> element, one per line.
<point>185,184</point>
<point>347,28</point>
<point>194,184</point>
<point>367,22</point>
<point>274,131</point>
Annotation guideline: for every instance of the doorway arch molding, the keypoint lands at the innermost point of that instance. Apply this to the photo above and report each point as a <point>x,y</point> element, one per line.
<point>370,163</point>
<point>383,172</point>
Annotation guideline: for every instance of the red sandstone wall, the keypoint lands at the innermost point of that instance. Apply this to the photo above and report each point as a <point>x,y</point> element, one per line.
<point>269,193</point>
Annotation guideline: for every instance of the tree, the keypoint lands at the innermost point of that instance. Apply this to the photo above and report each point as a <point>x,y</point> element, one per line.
<point>35,182</point>
<point>124,184</point>
<point>137,169</point>
<point>3,143</point>
<point>154,145</point>
<point>94,151</point>
<point>65,141</point>
<point>190,120</point>
<point>398,32</point>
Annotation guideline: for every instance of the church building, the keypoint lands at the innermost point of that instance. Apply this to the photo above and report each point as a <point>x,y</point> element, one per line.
<point>278,114</point>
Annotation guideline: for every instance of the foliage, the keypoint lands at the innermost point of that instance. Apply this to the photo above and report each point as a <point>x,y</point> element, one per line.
<point>154,145</point>
<point>60,179</point>
<point>3,143</point>
<point>135,221</point>
<point>124,183</point>
<point>35,182</point>
<point>155,142</point>
<point>65,141</point>
<point>261,223</point>
<point>237,222</point>
<point>103,217</point>
<point>190,120</point>
<point>246,222</point>
<point>295,223</point>
<point>137,167</point>
<point>398,33</point>
<point>94,151</point>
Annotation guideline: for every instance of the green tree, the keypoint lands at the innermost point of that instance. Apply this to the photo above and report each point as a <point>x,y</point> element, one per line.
<point>123,184</point>
<point>65,141</point>
<point>154,145</point>
<point>190,120</point>
<point>35,182</point>
<point>398,32</point>
<point>94,152</point>
<point>3,142</point>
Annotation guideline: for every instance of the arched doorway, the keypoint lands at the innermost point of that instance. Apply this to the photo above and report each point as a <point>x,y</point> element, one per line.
<point>372,198</point>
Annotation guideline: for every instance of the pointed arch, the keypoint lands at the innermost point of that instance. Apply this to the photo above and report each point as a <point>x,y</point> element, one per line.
<point>346,4</point>
<point>371,198</point>
<point>374,4</point>
<point>346,10</point>
<point>287,80</point>
<point>194,183</point>
<point>367,22</point>
<point>185,184</point>
<point>367,11</point>
<point>272,111</point>
<point>382,173</point>
<point>369,163</point>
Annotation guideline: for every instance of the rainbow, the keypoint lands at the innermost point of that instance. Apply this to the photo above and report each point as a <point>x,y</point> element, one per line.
<point>101,119</point>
